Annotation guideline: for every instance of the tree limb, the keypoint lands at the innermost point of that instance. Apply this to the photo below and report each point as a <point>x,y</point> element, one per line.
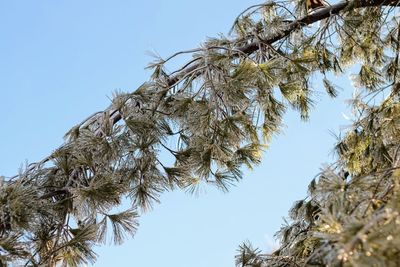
<point>248,49</point>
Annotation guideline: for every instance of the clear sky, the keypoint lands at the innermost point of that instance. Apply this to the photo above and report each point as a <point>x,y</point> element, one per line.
<point>61,60</point>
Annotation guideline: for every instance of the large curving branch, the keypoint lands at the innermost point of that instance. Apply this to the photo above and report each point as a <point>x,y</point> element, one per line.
<point>247,49</point>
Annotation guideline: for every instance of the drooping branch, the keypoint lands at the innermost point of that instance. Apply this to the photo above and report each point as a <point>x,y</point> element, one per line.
<point>247,49</point>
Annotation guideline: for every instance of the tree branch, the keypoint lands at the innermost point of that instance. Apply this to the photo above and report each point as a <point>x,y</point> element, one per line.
<point>248,49</point>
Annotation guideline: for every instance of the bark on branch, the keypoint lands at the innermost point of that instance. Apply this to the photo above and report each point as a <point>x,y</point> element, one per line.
<point>320,14</point>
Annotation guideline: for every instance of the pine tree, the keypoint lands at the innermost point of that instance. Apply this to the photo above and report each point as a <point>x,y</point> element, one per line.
<point>214,116</point>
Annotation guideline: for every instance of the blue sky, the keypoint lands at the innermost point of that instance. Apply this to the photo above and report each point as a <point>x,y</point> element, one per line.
<point>60,61</point>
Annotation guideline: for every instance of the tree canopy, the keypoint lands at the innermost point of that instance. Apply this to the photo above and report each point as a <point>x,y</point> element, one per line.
<point>214,116</point>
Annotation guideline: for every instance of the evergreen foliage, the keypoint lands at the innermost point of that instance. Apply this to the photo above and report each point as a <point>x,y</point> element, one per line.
<point>213,117</point>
